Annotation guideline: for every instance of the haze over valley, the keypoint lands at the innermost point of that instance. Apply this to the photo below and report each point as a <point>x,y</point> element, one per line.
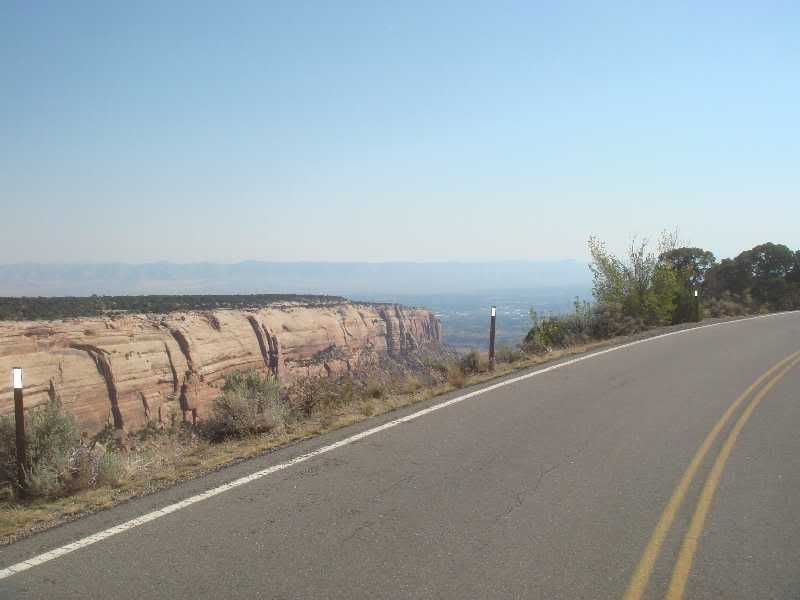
<point>459,293</point>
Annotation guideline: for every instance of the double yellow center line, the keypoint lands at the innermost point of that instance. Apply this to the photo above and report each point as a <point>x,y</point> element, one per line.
<point>683,566</point>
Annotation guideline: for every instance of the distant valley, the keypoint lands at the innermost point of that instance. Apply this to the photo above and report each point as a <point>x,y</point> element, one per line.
<point>465,317</point>
<point>460,293</point>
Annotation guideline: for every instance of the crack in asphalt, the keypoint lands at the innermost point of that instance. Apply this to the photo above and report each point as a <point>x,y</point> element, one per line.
<point>521,494</point>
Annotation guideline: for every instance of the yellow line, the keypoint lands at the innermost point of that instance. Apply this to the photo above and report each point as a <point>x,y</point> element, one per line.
<point>683,566</point>
<point>644,569</point>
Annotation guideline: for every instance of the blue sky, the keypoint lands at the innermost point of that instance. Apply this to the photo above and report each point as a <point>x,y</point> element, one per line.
<point>393,130</point>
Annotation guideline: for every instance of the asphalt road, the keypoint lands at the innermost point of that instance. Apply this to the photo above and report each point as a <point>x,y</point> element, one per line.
<point>551,487</point>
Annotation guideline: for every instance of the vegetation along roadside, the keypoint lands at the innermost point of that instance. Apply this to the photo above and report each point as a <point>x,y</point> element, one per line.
<point>71,474</point>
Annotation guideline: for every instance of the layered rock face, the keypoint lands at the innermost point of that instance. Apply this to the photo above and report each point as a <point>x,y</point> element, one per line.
<point>127,370</point>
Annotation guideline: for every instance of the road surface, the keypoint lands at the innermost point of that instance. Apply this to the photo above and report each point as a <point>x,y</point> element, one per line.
<point>644,471</point>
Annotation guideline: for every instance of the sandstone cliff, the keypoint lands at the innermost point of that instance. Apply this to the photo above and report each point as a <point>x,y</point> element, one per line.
<point>128,369</point>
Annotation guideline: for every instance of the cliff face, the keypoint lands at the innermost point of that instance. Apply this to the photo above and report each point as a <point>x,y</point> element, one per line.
<point>130,369</point>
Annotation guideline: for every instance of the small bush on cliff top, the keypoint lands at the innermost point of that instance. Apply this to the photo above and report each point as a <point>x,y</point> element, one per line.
<point>250,403</point>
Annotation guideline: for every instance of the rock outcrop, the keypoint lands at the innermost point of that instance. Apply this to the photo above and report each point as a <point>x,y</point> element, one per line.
<point>129,369</point>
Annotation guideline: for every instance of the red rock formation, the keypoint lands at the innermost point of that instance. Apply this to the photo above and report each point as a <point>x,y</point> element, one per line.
<point>126,370</point>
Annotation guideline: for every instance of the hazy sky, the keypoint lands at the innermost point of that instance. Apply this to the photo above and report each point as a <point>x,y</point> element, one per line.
<point>338,130</point>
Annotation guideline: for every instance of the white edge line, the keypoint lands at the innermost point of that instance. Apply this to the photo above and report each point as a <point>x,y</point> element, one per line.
<point>151,516</point>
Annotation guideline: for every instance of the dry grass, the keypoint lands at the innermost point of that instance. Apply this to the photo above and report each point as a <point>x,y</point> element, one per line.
<point>44,513</point>
<point>167,459</point>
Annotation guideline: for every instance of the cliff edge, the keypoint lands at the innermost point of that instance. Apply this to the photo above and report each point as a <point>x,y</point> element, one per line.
<point>130,369</point>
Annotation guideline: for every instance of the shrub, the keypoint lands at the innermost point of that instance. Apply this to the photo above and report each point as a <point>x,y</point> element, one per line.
<point>654,288</point>
<point>44,480</point>
<point>321,395</point>
<point>455,375</point>
<point>474,362</point>
<point>82,467</point>
<point>547,333</point>
<point>250,403</point>
<point>559,331</point>
<point>112,469</point>
<point>368,408</point>
<point>375,389</point>
<point>441,367</point>
<point>59,460</point>
<point>609,320</point>
<point>448,370</point>
<point>685,307</point>
<point>51,434</point>
<point>8,452</point>
<point>728,306</point>
<point>410,384</point>
<point>505,354</point>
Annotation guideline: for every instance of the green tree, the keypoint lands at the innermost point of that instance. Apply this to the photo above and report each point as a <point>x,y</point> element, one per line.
<point>644,285</point>
<point>771,261</point>
<point>663,295</point>
<point>690,264</point>
<point>608,274</point>
<point>768,266</point>
<point>725,276</point>
<point>794,275</point>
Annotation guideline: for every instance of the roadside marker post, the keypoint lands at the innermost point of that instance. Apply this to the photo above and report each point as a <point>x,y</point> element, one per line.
<point>19,421</point>
<point>696,305</point>
<point>491,338</point>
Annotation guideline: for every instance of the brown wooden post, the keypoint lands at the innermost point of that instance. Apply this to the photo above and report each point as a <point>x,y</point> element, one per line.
<point>697,316</point>
<point>19,419</point>
<point>491,338</point>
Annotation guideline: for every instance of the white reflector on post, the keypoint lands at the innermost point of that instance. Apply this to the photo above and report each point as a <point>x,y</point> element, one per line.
<point>16,378</point>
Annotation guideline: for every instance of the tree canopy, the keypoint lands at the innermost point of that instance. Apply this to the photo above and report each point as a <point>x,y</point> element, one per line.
<point>659,288</point>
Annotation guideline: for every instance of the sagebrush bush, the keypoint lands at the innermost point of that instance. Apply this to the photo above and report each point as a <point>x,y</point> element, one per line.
<point>368,408</point>
<point>410,384</point>
<point>453,370</point>
<point>8,451</point>
<point>250,403</point>
<point>439,366</point>
<point>560,331</point>
<point>50,434</point>
<point>610,320</point>
<point>44,480</point>
<point>112,469</point>
<point>320,395</point>
<point>82,467</point>
<point>59,461</point>
<point>505,354</point>
<point>455,375</point>
<point>474,362</point>
<point>375,389</point>
<point>728,306</point>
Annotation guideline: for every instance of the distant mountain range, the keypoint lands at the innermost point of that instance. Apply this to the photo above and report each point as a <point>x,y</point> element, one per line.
<point>354,280</point>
